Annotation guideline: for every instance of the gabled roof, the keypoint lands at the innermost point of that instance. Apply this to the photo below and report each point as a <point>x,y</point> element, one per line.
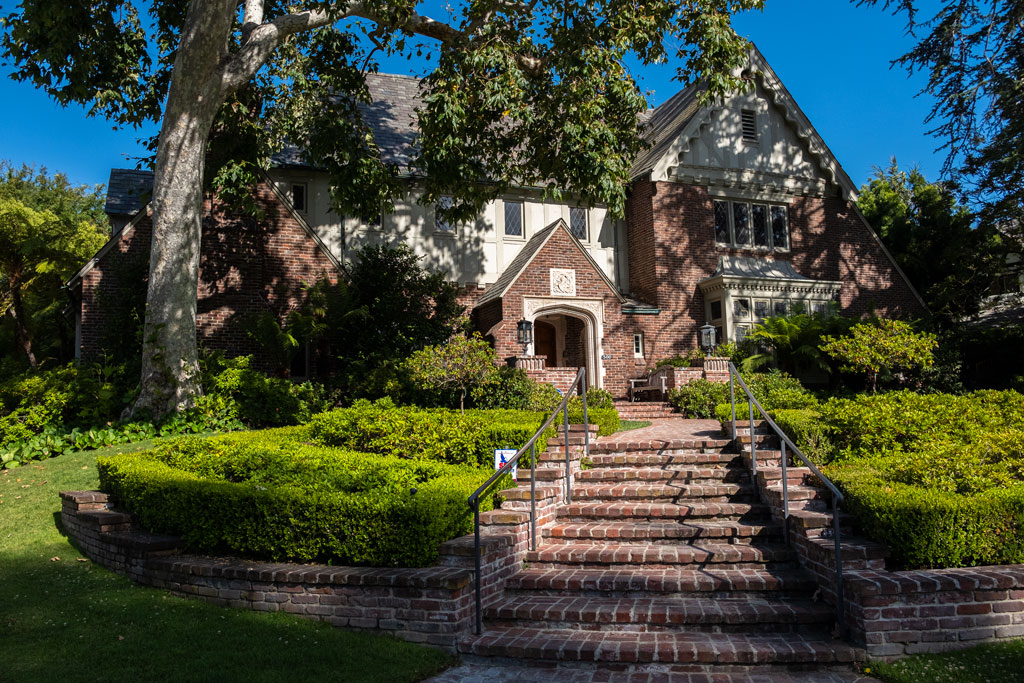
<point>525,257</point>
<point>681,115</point>
<point>143,211</point>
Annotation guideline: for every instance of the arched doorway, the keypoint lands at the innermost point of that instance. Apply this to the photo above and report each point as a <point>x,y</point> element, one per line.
<point>577,332</point>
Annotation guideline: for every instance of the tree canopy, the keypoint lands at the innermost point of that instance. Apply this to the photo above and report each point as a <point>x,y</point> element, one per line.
<point>934,239</point>
<point>48,228</point>
<point>973,55</point>
<point>523,93</point>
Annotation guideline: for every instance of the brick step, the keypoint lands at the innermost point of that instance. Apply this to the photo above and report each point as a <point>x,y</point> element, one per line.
<point>640,582</point>
<point>660,614</point>
<point>799,493</point>
<point>759,439</point>
<point>545,474</point>
<point>590,511</point>
<point>676,648</point>
<point>656,413</point>
<point>773,475</point>
<point>672,493</point>
<point>668,459</point>
<point>658,532</point>
<point>674,474</point>
<point>657,556</point>
<point>628,445</point>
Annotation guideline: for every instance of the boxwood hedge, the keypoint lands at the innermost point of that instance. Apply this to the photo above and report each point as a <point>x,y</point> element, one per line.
<point>275,496</point>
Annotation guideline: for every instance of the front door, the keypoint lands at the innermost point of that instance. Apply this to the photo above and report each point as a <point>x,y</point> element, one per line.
<point>544,343</point>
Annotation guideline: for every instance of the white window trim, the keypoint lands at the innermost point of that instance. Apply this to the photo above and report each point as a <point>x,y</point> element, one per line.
<point>638,340</point>
<point>522,220</point>
<point>305,196</point>
<point>586,223</point>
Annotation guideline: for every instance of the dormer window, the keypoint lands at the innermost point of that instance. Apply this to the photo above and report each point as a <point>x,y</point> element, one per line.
<point>748,125</point>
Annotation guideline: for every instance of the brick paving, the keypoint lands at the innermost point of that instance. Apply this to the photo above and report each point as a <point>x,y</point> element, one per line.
<point>480,670</point>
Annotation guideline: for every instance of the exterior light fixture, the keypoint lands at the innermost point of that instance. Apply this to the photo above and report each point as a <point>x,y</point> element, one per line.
<point>706,336</point>
<point>524,333</point>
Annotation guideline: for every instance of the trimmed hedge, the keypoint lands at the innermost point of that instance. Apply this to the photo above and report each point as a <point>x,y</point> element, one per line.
<point>927,527</point>
<point>437,434</point>
<point>269,495</point>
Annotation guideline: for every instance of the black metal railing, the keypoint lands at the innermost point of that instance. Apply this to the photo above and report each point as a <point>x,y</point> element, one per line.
<point>837,496</point>
<point>578,386</point>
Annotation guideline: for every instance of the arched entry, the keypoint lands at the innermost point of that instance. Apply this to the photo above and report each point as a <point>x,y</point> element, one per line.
<point>577,329</point>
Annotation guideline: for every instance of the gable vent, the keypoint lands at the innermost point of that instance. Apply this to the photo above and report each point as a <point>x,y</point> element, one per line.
<point>748,122</point>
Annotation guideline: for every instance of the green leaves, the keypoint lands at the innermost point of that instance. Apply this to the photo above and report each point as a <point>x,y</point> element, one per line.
<point>883,345</point>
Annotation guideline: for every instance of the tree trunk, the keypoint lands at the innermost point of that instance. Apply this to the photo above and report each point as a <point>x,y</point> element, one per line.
<point>22,336</point>
<point>170,368</point>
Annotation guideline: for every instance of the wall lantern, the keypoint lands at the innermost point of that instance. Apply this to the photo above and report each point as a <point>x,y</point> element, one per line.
<point>706,335</point>
<point>524,333</point>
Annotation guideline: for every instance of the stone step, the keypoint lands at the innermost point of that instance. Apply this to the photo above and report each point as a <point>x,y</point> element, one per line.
<point>712,582</point>
<point>675,648</point>
<point>660,614</point>
<point>655,556</point>
<point>671,493</point>
<point>590,511</point>
<point>658,532</point>
<point>676,458</point>
<point>670,474</point>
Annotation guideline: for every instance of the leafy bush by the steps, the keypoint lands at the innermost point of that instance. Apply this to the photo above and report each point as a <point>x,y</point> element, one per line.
<point>272,495</point>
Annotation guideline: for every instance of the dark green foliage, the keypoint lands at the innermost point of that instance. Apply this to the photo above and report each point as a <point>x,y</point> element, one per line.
<point>792,342</point>
<point>698,398</point>
<point>807,430</point>
<point>938,478</point>
<point>272,496</point>
<point>509,388</point>
<point>774,390</point>
<point>261,401</point>
<point>934,239</point>
<point>693,359</point>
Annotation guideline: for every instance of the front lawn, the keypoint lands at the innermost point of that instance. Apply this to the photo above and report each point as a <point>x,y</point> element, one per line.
<point>982,664</point>
<point>63,618</point>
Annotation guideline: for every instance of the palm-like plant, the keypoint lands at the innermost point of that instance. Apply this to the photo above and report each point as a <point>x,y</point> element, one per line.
<point>791,342</point>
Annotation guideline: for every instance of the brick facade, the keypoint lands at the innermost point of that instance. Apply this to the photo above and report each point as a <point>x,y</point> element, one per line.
<point>247,266</point>
<point>671,233</point>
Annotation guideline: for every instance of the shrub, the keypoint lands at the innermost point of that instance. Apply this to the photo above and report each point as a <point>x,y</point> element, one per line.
<point>259,400</point>
<point>807,430</point>
<point>882,347</point>
<point>271,496</point>
<point>693,359</point>
<point>928,527</point>
<point>461,363</point>
<point>698,398</point>
<point>508,388</point>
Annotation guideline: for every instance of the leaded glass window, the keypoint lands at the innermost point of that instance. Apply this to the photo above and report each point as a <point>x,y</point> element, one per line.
<point>741,223</point>
<point>578,222</point>
<point>514,219</point>
<point>722,223</point>
<point>759,217</point>
<point>780,227</point>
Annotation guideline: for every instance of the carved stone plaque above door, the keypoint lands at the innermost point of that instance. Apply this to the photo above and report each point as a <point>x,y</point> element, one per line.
<point>563,282</point>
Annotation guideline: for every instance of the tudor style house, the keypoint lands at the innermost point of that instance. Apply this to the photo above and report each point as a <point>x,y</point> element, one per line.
<point>736,211</point>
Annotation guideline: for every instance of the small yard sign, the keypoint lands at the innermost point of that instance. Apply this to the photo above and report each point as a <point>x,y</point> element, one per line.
<point>502,456</point>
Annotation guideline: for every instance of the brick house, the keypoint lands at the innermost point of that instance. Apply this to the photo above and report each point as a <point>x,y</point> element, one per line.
<point>737,210</point>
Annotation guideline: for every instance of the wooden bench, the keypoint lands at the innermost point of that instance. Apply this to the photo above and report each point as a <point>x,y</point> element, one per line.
<point>641,388</point>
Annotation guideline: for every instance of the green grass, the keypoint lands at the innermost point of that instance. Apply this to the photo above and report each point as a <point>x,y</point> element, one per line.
<point>627,425</point>
<point>65,619</point>
<point>983,664</point>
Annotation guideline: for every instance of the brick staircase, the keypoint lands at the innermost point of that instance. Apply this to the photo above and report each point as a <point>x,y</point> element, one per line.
<point>664,557</point>
<point>644,410</point>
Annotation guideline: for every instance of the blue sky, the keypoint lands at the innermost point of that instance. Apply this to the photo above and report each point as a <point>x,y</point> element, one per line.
<point>834,58</point>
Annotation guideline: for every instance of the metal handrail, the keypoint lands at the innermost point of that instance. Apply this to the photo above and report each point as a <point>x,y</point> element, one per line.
<point>531,445</point>
<point>837,496</point>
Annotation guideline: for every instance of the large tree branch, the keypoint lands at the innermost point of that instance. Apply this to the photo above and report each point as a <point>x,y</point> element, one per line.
<point>253,16</point>
<point>263,39</point>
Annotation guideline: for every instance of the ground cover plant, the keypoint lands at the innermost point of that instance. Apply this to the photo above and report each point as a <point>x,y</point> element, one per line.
<point>283,495</point>
<point>67,619</point>
<point>982,664</point>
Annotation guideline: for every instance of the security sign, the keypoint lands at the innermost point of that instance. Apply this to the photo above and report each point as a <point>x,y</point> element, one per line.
<point>502,456</point>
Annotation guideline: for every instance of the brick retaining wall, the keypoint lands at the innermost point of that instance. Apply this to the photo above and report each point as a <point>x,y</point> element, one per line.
<point>432,605</point>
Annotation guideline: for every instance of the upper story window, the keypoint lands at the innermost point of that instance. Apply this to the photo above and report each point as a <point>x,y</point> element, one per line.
<point>748,124</point>
<point>440,224</point>
<point>299,197</point>
<point>514,219</point>
<point>749,224</point>
<point>578,222</point>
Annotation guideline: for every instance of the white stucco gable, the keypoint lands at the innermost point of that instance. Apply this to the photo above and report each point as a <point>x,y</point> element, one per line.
<point>786,154</point>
